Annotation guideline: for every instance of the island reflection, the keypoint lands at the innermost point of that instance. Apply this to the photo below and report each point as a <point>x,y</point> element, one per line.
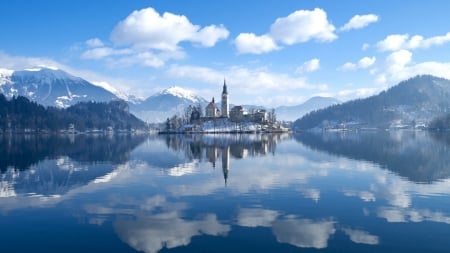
<point>221,147</point>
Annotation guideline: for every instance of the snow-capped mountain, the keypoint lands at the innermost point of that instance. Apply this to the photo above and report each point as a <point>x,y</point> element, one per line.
<point>51,87</point>
<point>165,104</point>
<point>291,113</point>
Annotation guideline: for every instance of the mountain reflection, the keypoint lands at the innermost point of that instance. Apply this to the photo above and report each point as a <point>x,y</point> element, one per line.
<point>49,165</point>
<point>21,151</point>
<point>421,157</point>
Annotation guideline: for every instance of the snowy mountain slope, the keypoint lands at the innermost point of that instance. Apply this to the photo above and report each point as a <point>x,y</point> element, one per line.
<point>51,87</point>
<point>165,104</point>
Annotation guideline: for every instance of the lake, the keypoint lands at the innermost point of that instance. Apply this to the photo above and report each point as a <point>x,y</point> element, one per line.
<point>326,192</point>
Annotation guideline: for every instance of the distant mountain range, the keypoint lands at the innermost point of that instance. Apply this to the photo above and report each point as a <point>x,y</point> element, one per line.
<point>165,104</point>
<point>410,104</point>
<point>53,87</point>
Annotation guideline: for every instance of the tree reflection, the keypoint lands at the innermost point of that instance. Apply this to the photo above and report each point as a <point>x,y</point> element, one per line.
<point>418,156</point>
<point>19,152</point>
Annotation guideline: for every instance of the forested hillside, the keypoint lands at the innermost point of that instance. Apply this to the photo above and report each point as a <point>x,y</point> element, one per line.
<point>22,115</point>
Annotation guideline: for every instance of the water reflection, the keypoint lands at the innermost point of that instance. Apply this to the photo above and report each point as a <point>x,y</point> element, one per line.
<point>43,168</point>
<point>236,193</point>
<point>421,157</point>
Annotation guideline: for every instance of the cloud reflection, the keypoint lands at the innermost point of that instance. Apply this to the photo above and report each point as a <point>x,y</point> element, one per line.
<point>360,236</point>
<point>256,217</point>
<point>154,232</point>
<point>304,233</point>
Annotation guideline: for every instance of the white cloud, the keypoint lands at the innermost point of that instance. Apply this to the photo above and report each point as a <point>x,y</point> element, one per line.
<point>309,66</point>
<point>359,21</point>
<point>22,62</point>
<point>103,52</point>
<point>395,42</point>
<point>95,42</point>
<point>363,63</point>
<point>250,43</point>
<point>400,66</point>
<point>302,26</point>
<point>366,62</point>
<point>365,46</point>
<point>249,85</point>
<point>149,39</point>
<point>146,28</point>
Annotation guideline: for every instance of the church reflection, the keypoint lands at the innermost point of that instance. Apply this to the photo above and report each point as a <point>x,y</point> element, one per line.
<point>223,148</point>
<point>225,163</point>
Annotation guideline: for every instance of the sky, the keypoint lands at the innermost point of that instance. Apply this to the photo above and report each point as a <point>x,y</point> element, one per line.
<point>270,52</point>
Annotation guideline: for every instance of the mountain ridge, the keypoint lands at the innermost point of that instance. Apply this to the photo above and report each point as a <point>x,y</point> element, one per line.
<point>411,103</point>
<point>51,87</point>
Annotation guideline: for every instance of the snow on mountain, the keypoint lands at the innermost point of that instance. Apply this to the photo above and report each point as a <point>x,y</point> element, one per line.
<point>167,103</point>
<point>182,93</point>
<point>51,87</point>
<point>5,75</point>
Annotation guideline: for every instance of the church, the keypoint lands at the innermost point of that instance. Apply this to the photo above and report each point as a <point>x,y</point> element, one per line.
<point>237,113</point>
<point>211,110</point>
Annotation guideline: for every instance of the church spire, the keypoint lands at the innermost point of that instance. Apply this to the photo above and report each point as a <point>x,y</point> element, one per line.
<point>224,87</point>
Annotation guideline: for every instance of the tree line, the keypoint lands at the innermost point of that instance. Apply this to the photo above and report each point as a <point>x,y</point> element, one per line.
<point>19,114</point>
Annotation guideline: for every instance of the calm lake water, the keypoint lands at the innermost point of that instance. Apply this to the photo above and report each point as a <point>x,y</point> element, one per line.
<point>333,192</point>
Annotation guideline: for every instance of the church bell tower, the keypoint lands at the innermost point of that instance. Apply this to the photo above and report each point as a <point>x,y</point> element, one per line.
<point>225,107</point>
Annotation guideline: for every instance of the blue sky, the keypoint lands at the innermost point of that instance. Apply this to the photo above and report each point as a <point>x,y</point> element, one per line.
<point>271,52</point>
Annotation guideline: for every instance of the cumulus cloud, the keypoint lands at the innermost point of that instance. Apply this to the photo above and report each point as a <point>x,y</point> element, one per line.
<point>395,42</point>
<point>147,38</point>
<point>309,66</point>
<point>299,26</point>
<point>249,43</point>
<point>302,26</point>
<point>363,63</point>
<point>146,28</point>
<point>359,21</point>
<point>399,65</point>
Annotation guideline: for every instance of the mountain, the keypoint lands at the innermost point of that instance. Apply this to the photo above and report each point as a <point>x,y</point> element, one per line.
<point>412,103</point>
<point>167,103</point>
<point>51,87</point>
<point>291,113</point>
